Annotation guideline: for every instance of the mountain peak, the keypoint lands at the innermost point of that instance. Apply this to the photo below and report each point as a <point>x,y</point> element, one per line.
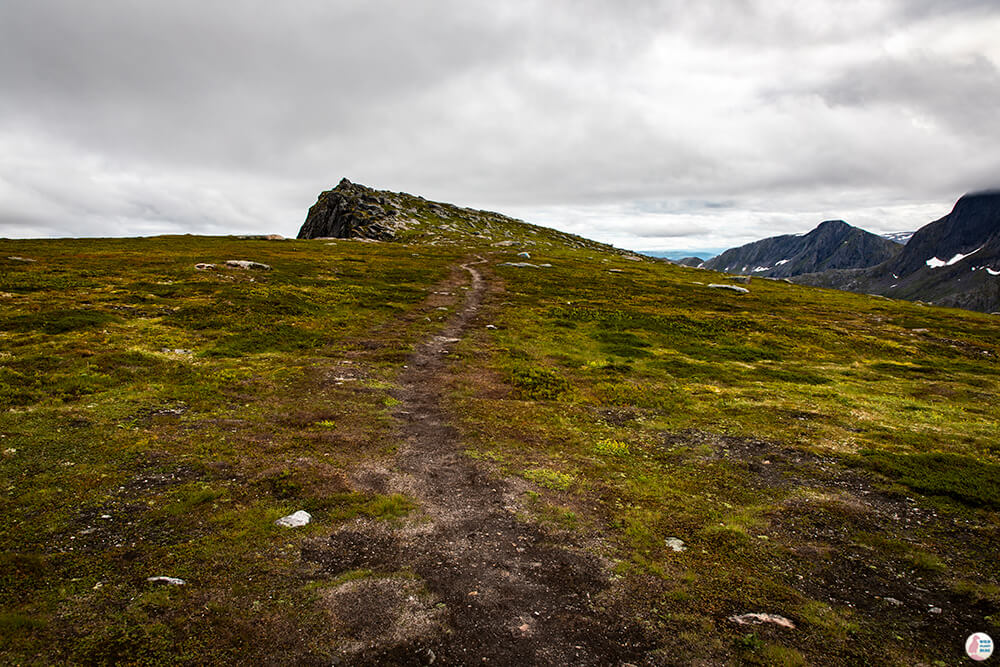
<point>831,225</point>
<point>833,244</point>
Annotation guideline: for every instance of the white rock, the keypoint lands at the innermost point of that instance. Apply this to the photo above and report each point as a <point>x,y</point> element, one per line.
<point>735,288</point>
<point>525,255</point>
<point>246,264</point>
<point>675,544</point>
<point>204,266</point>
<point>171,581</point>
<point>757,617</point>
<point>294,520</point>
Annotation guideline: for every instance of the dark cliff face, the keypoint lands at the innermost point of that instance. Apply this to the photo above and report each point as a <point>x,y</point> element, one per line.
<point>972,225</point>
<point>834,244</point>
<point>954,261</point>
<point>350,211</point>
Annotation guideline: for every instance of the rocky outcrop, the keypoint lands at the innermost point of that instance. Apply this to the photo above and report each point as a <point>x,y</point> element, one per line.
<point>352,211</point>
<point>834,244</point>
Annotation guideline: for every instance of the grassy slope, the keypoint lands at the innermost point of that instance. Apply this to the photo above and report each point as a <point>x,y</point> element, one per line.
<point>777,433</point>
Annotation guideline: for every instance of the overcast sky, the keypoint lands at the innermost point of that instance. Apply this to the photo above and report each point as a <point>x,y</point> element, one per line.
<point>647,124</point>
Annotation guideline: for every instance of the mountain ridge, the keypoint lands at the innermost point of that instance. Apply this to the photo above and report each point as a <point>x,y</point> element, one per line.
<point>833,244</point>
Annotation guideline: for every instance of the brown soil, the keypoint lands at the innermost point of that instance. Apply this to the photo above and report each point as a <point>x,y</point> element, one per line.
<point>483,586</point>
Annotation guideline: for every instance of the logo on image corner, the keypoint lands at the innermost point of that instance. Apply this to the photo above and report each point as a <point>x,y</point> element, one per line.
<point>979,646</point>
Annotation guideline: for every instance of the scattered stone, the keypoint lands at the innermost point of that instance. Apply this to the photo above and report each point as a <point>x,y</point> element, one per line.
<point>735,288</point>
<point>491,326</point>
<point>615,271</point>
<point>204,266</point>
<point>524,628</point>
<point>294,520</point>
<point>246,264</point>
<point>176,350</point>
<point>757,617</point>
<point>10,451</point>
<point>170,581</point>
<point>893,601</point>
<point>520,265</point>
<point>525,255</point>
<point>504,244</point>
<point>15,258</point>
<point>675,544</point>
<point>935,610</point>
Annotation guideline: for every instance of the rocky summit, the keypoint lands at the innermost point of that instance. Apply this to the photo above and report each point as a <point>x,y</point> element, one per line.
<point>353,211</point>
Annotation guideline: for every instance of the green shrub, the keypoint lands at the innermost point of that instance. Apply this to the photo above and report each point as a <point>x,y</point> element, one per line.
<point>963,478</point>
<point>538,384</point>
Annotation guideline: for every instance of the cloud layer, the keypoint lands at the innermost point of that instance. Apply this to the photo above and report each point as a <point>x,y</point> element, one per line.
<point>648,124</point>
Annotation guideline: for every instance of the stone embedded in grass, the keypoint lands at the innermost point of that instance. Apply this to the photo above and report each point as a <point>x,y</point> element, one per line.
<point>204,266</point>
<point>294,520</point>
<point>170,581</point>
<point>246,264</point>
<point>757,617</point>
<point>524,255</point>
<point>15,258</point>
<point>520,265</point>
<point>675,544</point>
<point>734,288</point>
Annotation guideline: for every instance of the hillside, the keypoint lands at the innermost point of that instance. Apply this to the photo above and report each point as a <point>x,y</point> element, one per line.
<point>833,244</point>
<point>954,261</point>
<point>577,457</point>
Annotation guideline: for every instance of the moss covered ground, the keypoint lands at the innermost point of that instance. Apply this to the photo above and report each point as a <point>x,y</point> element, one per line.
<point>829,457</point>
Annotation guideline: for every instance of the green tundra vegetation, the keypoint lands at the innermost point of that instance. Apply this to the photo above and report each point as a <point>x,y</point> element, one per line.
<point>830,457</point>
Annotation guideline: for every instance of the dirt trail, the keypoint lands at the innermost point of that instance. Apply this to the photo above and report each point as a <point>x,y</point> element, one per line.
<point>489,587</point>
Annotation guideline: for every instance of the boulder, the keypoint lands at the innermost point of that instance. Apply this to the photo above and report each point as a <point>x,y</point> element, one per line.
<point>294,520</point>
<point>246,264</point>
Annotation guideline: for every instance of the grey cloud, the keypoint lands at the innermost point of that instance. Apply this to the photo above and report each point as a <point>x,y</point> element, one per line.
<point>655,116</point>
<point>961,95</point>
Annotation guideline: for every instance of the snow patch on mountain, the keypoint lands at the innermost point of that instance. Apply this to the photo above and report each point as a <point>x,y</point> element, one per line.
<point>936,263</point>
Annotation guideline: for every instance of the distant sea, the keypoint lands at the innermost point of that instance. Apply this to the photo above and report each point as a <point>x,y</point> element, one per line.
<point>681,254</point>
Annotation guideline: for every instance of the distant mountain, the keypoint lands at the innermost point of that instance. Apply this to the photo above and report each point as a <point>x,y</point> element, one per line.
<point>834,244</point>
<point>954,261</point>
<point>898,237</point>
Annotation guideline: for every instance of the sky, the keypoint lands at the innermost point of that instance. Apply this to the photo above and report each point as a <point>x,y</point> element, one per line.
<point>647,124</point>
